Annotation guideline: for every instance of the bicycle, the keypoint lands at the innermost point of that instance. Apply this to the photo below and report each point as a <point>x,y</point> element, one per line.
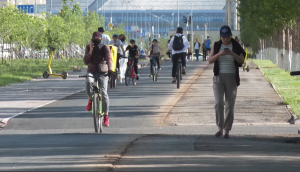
<point>154,71</point>
<point>130,73</point>
<point>97,103</point>
<point>113,80</point>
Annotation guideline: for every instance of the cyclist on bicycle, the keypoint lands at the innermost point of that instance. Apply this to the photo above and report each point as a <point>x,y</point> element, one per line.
<point>118,43</point>
<point>134,53</point>
<point>155,53</point>
<point>179,44</point>
<point>95,53</point>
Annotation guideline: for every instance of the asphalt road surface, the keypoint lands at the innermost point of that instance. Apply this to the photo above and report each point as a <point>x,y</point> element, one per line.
<point>60,136</point>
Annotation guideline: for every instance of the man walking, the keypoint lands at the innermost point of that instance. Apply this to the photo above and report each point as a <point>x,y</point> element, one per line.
<point>197,46</point>
<point>105,38</point>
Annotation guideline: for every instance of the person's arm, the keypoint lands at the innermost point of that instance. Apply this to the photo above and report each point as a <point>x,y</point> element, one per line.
<point>108,57</point>
<point>187,44</point>
<point>88,54</point>
<point>160,52</point>
<point>213,58</point>
<point>171,44</point>
<point>239,58</point>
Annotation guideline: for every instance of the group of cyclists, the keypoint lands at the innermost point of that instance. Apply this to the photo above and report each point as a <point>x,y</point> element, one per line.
<point>99,61</point>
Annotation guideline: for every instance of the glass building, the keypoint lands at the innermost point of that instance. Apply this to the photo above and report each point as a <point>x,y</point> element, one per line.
<point>160,16</point>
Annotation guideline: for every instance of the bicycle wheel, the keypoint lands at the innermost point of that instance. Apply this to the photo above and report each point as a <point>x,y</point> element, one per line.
<point>111,81</point>
<point>97,113</point>
<point>178,77</point>
<point>127,76</point>
<point>153,73</point>
<point>134,79</point>
<point>115,81</point>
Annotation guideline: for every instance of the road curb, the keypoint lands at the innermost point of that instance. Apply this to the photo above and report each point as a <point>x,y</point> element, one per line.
<point>294,118</point>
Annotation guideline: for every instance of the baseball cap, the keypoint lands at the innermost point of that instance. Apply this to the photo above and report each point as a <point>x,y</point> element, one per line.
<point>115,36</point>
<point>97,35</point>
<point>225,31</point>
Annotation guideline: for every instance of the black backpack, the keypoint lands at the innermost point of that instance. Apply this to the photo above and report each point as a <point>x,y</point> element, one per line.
<point>178,43</point>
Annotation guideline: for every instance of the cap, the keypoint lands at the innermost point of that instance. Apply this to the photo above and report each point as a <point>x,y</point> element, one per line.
<point>225,31</point>
<point>115,36</point>
<point>97,35</point>
<point>100,29</point>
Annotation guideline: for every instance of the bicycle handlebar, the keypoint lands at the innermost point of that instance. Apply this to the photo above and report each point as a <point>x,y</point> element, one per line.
<point>295,73</point>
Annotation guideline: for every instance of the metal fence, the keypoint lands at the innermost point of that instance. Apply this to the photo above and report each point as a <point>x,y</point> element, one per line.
<point>287,60</point>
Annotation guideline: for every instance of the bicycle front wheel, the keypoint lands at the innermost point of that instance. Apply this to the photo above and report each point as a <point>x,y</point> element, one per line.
<point>127,76</point>
<point>153,73</point>
<point>97,113</point>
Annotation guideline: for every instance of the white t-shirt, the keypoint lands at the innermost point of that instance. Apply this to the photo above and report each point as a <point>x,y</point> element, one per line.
<point>227,62</point>
<point>185,42</point>
<point>197,46</point>
<point>117,44</point>
<point>105,39</point>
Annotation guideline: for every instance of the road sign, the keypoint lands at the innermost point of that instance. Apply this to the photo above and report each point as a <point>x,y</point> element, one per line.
<point>127,28</point>
<point>140,34</point>
<point>26,8</point>
<point>110,25</point>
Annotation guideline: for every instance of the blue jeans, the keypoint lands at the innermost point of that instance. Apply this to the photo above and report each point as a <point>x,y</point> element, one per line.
<point>197,54</point>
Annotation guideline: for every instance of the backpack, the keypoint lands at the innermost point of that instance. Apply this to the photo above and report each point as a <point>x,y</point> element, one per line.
<point>178,43</point>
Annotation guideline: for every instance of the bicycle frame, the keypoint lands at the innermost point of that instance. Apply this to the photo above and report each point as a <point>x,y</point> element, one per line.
<point>97,91</point>
<point>130,63</point>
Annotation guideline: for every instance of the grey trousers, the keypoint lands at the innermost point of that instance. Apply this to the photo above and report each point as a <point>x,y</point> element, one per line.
<point>225,84</point>
<point>103,87</point>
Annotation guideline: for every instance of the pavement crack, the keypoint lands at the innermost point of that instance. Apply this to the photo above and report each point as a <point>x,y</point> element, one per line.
<point>122,154</point>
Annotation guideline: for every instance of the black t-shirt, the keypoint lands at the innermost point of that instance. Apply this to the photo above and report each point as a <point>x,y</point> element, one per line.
<point>133,51</point>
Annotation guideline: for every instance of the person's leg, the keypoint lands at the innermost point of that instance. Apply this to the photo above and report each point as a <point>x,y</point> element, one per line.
<point>197,54</point>
<point>157,61</point>
<point>204,55</point>
<point>151,65</point>
<point>105,99</point>
<point>219,101</point>
<point>118,61</point>
<point>230,97</point>
<point>88,82</point>
<point>175,61</point>
<point>135,65</point>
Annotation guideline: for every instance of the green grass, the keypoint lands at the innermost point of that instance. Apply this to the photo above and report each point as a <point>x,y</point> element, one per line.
<point>16,71</point>
<point>287,86</point>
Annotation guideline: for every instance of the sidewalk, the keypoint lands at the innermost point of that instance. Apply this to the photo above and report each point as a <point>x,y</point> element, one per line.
<point>257,102</point>
<point>16,99</point>
<point>261,139</point>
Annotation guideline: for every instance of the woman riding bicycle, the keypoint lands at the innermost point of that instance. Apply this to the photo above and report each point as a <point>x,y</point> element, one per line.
<point>96,53</point>
<point>155,54</point>
<point>134,53</point>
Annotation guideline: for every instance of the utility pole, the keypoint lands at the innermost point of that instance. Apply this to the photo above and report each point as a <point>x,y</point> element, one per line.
<point>178,12</point>
<point>87,7</point>
<point>192,25</point>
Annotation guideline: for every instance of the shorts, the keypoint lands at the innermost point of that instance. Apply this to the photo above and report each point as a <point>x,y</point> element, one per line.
<point>208,49</point>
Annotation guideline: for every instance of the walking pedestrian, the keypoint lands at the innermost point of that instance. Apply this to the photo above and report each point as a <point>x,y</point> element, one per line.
<point>227,56</point>
<point>204,50</point>
<point>197,46</point>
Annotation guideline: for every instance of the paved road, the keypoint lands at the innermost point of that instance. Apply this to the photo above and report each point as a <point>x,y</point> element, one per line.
<point>154,126</point>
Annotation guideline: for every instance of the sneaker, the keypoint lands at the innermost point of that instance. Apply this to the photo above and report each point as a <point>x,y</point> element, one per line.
<point>138,77</point>
<point>106,121</point>
<point>89,106</point>
<point>150,76</point>
<point>159,68</point>
<point>183,71</point>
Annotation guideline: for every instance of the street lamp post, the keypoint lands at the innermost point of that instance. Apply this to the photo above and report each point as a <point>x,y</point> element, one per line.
<point>178,13</point>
